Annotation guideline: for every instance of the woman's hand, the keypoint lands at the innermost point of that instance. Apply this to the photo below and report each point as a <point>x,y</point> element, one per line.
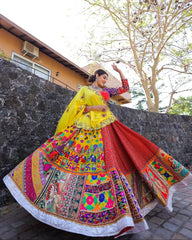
<point>101,108</point>
<point>116,68</point>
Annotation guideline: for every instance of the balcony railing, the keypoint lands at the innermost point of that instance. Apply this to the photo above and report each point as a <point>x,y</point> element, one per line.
<point>52,79</point>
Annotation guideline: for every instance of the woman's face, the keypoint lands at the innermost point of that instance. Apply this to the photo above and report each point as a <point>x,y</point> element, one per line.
<point>101,80</point>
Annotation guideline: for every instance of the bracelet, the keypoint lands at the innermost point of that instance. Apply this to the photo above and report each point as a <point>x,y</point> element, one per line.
<point>85,110</point>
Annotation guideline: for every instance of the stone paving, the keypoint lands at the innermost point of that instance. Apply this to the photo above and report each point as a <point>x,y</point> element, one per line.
<point>17,224</point>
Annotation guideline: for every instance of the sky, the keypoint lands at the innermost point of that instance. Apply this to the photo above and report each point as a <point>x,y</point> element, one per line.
<point>56,23</point>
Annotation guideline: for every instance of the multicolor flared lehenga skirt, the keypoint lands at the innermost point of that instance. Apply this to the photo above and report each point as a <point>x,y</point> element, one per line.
<point>96,182</point>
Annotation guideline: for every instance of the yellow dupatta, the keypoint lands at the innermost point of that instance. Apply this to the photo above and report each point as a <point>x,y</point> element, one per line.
<point>74,115</point>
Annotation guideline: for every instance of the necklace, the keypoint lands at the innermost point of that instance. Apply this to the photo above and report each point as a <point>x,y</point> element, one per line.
<point>95,87</point>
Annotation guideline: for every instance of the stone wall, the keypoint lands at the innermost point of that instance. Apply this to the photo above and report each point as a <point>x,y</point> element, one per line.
<point>31,108</point>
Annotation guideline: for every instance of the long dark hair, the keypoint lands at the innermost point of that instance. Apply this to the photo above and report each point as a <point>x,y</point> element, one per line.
<point>100,72</point>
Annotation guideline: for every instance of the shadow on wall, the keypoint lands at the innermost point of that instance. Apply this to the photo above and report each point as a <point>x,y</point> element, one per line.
<point>31,108</point>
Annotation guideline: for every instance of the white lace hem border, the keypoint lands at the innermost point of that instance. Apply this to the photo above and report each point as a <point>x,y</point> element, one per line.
<point>97,231</point>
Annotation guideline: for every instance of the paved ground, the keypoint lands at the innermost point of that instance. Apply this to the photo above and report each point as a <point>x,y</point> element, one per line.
<point>17,224</point>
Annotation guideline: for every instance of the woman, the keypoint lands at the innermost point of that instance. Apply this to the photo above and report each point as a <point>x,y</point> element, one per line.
<point>96,176</point>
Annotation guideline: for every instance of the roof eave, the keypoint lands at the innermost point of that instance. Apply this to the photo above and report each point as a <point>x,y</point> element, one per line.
<point>25,36</point>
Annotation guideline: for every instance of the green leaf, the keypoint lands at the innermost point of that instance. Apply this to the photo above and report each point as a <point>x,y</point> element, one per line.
<point>182,106</point>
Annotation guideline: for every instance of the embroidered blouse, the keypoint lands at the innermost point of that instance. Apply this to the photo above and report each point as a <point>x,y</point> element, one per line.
<point>116,91</point>
<point>110,92</point>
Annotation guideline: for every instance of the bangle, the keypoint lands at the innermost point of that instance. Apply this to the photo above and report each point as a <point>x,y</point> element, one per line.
<point>85,110</point>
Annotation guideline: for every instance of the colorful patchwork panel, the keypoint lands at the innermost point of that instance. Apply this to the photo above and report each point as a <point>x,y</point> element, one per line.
<point>161,173</point>
<point>76,150</point>
<point>31,174</point>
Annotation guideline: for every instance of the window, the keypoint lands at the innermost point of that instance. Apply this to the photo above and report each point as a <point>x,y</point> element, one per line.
<point>30,66</point>
<point>41,72</point>
<point>22,63</point>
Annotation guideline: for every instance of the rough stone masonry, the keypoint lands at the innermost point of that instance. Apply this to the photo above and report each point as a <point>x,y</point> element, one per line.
<point>31,108</point>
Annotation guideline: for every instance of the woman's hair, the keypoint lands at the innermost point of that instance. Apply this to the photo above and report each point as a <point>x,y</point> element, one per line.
<point>100,72</point>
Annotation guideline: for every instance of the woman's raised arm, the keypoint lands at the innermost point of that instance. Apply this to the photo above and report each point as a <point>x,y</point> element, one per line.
<point>124,81</point>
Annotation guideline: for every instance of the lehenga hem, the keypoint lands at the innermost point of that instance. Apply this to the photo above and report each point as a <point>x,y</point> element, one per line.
<point>142,226</point>
<point>175,187</point>
<point>98,231</point>
<point>149,207</point>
